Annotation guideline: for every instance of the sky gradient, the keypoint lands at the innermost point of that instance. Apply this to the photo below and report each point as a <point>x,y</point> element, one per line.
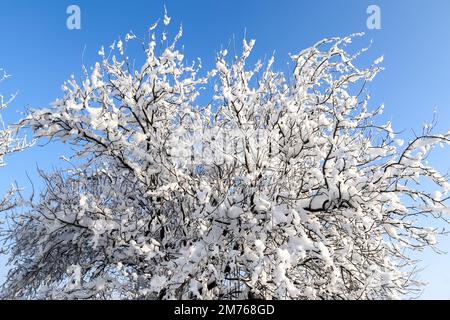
<point>38,50</point>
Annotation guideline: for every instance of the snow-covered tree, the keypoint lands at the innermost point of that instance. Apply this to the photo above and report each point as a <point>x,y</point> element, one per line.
<point>9,143</point>
<point>283,187</point>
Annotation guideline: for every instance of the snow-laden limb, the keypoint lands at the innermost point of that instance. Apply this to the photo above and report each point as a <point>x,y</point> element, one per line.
<point>279,189</point>
<point>9,143</point>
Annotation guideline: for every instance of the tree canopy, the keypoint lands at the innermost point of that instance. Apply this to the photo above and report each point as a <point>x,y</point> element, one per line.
<point>284,186</point>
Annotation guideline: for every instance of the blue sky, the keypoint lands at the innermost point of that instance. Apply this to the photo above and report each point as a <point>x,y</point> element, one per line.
<point>40,52</point>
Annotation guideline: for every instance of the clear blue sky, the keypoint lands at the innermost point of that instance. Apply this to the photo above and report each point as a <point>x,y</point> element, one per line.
<point>40,52</point>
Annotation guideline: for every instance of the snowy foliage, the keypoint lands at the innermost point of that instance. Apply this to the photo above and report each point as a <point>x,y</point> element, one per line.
<point>9,143</point>
<point>280,188</point>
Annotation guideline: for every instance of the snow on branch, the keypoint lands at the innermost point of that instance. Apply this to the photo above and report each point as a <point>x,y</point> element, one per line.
<point>9,143</point>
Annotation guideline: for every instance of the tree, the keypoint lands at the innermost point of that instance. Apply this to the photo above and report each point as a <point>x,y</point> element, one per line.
<point>9,143</point>
<point>280,188</point>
